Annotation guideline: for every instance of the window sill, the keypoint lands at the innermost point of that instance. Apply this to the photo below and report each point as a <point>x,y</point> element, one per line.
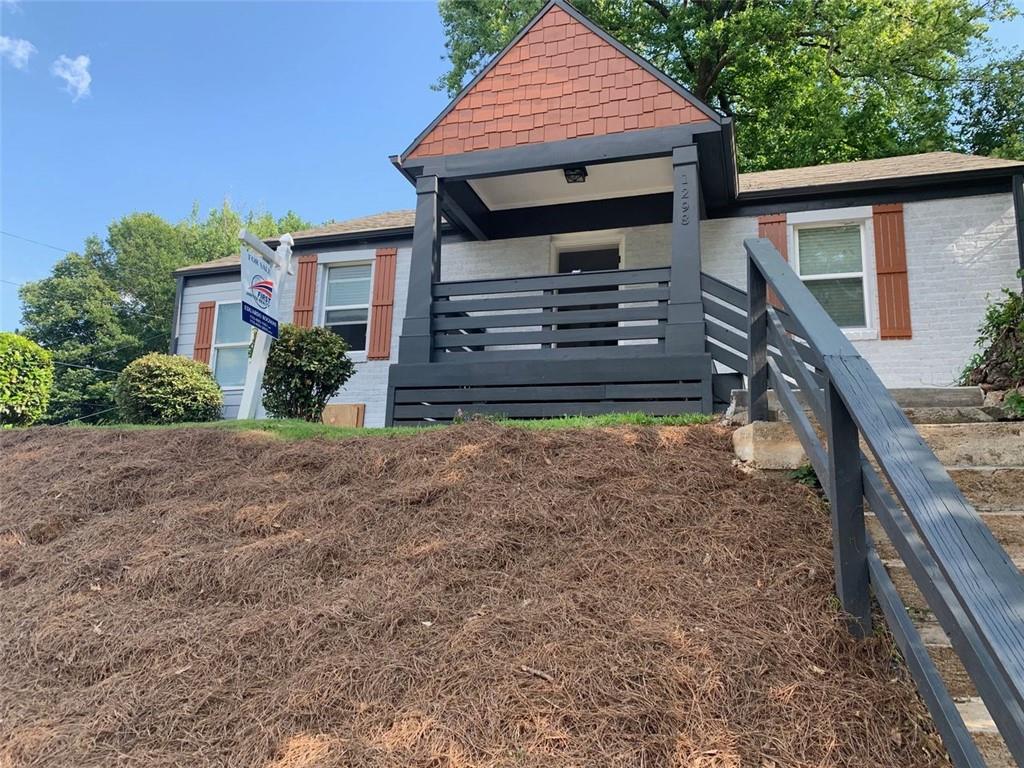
<point>233,389</point>
<point>860,334</point>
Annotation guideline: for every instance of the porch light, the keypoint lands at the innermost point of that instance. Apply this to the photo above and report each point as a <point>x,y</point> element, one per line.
<point>576,175</point>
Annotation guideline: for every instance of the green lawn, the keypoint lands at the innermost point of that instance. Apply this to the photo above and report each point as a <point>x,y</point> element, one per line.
<point>293,429</point>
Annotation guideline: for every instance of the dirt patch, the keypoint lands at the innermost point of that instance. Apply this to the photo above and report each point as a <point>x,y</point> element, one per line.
<point>474,596</point>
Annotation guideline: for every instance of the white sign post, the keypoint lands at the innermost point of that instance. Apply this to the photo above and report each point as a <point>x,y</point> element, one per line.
<point>263,272</point>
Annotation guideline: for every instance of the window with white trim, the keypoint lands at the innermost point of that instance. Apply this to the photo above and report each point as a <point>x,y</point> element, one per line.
<point>347,303</point>
<point>231,339</point>
<point>830,262</point>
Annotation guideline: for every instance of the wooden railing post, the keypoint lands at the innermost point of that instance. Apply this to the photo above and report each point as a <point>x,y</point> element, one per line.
<point>757,344</point>
<point>846,494</point>
<point>416,341</point>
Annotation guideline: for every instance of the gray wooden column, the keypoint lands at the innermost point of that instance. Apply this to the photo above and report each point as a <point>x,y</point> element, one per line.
<point>757,344</point>
<point>684,333</point>
<point>846,497</point>
<point>424,268</point>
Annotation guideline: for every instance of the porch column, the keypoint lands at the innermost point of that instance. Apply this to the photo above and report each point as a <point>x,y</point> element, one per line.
<point>424,268</point>
<point>684,333</point>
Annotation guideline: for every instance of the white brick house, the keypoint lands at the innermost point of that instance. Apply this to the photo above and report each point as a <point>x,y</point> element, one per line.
<point>569,154</point>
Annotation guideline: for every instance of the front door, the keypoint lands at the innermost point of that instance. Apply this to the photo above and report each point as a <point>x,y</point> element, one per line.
<point>571,262</point>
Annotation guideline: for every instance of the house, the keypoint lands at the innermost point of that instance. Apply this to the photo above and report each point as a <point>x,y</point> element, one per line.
<point>577,243</point>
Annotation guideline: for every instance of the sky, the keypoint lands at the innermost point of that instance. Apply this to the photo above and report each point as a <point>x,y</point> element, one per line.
<point>112,107</point>
<point>154,106</point>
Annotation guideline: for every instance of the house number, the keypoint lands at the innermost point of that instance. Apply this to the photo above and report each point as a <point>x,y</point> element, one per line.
<point>684,202</point>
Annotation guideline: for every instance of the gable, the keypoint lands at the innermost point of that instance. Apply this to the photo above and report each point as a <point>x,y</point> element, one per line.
<point>559,80</point>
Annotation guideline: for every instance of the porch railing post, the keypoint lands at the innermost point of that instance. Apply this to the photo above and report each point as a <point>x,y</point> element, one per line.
<point>684,333</point>
<point>846,495</point>
<point>424,268</point>
<point>757,344</point>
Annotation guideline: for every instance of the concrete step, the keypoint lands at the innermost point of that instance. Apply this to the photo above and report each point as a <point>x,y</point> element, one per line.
<point>994,443</point>
<point>909,397</point>
<point>1007,527</point>
<point>991,489</point>
<point>984,732</point>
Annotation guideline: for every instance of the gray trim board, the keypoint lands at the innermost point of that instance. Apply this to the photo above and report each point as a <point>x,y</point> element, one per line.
<point>179,290</point>
<point>1018,216</point>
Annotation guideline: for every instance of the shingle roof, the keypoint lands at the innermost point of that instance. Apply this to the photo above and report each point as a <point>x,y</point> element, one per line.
<point>888,168</point>
<point>753,184</point>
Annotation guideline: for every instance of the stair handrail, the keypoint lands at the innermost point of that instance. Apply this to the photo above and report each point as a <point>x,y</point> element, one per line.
<point>967,578</point>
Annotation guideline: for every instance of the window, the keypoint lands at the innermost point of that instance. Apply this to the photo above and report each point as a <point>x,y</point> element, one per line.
<point>347,303</point>
<point>830,261</point>
<point>230,345</point>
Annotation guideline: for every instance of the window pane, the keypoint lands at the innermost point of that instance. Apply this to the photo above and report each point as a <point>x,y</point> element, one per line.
<point>230,328</point>
<point>348,285</point>
<point>355,335</point>
<point>829,250</point>
<point>334,316</point>
<point>842,299</point>
<point>229,366</point>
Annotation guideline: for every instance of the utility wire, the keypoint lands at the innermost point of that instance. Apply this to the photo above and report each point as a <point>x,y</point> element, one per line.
<point>34,242</point>
<point>86,367</point>
<point>89,416</point>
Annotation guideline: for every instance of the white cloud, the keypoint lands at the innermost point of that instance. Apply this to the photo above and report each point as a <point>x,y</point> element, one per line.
<point>16,51</point>
<point>12,5</point>
<point>74,72</point>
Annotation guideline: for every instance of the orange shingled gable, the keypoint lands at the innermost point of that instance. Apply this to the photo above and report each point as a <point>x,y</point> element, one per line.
<point>560,81</point>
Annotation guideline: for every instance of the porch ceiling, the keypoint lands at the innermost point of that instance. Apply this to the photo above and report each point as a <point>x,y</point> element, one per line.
<point>603,181</point>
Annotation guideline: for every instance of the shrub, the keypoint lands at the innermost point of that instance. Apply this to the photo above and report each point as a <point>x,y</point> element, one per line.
<point>167,389</point>
<point>26,377</point>
<point>305,368</point>
<point>1000,363</point>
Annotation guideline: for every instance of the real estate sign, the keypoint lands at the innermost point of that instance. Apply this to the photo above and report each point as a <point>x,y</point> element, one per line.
<point>260,292</point>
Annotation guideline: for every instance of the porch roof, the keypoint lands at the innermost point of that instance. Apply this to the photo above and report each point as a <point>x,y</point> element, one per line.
<point>878,174</point>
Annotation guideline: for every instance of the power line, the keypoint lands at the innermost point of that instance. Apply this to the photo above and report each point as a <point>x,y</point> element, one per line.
<point>86,367</point>
<point>35,242</point>
<point>88,416</point>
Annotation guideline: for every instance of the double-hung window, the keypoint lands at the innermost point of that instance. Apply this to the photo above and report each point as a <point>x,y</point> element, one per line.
<point>830,262</point>
<point>230,346</point>
<point>347,303</point>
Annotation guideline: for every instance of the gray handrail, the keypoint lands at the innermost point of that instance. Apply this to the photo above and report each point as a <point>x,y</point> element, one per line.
<point>962,553</point>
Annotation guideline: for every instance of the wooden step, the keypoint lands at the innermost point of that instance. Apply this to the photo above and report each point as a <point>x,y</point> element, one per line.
<point>984,732</point>
<point>904,582</point>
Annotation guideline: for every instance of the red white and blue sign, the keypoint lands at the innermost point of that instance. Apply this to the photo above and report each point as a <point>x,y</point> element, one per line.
<point>259,293</point>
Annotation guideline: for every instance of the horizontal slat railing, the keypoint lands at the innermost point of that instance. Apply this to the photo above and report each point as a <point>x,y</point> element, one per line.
<point>967,579</point>
<point>549,315</point>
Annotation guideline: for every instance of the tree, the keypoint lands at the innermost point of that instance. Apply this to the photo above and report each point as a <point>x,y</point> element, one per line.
<point>102,308</point>
<point>807,81</point>
<point>26,376</point>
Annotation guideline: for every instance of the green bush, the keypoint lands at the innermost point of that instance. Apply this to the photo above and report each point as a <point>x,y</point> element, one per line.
<point>167,389</point>
<point>305,368</point>
<point>26,377</point>
<point>1000,363</point>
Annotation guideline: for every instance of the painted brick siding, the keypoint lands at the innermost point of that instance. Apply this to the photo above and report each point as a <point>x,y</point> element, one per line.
<point>960,253</point>
<point>560,81</point>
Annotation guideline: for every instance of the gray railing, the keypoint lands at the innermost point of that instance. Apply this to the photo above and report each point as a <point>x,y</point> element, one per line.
<point>605,311</point>
<point>967,579</point>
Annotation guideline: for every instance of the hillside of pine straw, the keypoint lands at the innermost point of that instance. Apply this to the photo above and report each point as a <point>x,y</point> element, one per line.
<point>472,596</point>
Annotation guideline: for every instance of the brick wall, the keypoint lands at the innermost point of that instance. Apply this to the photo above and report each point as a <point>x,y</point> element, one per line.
<point>560,81</point>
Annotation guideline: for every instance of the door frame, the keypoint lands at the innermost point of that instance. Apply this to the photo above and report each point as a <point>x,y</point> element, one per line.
<point>587,241</point>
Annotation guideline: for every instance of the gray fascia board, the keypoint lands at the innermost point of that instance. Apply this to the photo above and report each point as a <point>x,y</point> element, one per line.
<point>902,182</point>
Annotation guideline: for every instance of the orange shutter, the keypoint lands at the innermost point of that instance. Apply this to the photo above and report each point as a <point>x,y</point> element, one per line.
<point>774,228</point>
<point>305,291</point>
<point>382,305</point>
<point>891,267</point>
<point>204,332</point>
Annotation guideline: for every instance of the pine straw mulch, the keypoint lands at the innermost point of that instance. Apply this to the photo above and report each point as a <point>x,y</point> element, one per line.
<point>473,596</point>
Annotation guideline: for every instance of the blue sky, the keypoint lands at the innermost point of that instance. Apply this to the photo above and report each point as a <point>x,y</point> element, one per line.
<point>274,105</point>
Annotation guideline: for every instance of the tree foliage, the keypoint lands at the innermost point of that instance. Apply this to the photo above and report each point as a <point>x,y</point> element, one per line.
<point>26,376</point>
<point>305,368</point>
<point>113,302</point>
<point>808,81</point>
<point>167,389</point>
<point>999,363</point>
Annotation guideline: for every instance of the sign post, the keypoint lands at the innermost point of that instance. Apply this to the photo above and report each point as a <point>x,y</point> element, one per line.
<point>263,272</point>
